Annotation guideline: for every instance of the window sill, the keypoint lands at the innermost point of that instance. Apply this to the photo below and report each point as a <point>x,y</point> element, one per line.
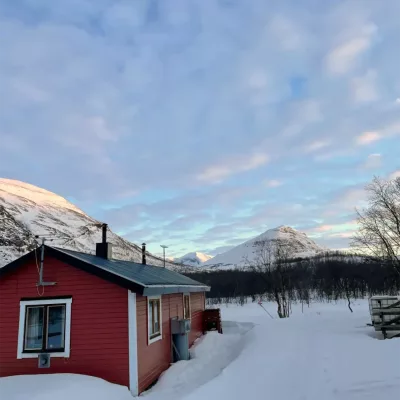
<point>155,339</point>
<point>64,354</point>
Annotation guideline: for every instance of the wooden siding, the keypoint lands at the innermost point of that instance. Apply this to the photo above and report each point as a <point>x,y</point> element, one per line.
<point>99,324</point>
<point>156,357</point>
<point>197,302</point>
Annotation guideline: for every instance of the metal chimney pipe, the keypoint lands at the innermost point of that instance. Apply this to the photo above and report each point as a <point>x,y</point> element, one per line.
<point>144,253</point>
<point>104,232</point>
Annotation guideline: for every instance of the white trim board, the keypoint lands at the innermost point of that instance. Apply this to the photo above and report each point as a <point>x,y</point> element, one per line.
<point>132,341</point>
<point>22,315</point>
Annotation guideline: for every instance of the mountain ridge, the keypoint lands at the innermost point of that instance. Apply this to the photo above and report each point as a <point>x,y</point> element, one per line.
<point>27,210</point>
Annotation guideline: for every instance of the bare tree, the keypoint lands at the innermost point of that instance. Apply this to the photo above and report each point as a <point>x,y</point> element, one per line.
<point>379,223</point>
<point>283,252</point>
<point>271,262</point>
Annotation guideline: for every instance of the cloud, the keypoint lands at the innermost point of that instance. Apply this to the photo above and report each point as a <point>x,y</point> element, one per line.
<point>272,183</point>
<point>373,161</point>
<point>349,198</point>
<point>367,138</point>
<point>287,32</point>
<point>317,145</point>
<point>258,80</point>
<point>169,119</point>
<point>344,235</point>
<point>345,56</point>
<point>217,173</point>
<point>392,129</point>
<point>324,228</point>
<point>364,88</point>
<point>395,174</point>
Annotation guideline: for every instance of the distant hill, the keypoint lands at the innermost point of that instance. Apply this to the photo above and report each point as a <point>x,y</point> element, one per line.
<point>246,253</point>
<point>194,259</point>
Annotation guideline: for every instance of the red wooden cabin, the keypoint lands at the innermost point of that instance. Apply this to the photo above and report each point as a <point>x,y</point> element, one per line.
<point>101,317</point>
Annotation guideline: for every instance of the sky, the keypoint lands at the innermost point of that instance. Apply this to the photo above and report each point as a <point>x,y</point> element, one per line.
<point>199,124</point>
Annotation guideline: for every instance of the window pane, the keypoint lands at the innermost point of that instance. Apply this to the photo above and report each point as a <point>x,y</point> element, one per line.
<point>156,316</point>
<point>55,327</point>
<point>34,328</point>
<point>151,317</point>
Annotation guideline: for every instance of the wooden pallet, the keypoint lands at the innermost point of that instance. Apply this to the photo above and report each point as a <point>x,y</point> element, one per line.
<point>392,325</point>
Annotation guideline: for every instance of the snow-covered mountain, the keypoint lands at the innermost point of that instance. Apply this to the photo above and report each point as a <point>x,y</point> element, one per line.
<point>27,210</point>
<point>194,259</point>
<point>248,252</point>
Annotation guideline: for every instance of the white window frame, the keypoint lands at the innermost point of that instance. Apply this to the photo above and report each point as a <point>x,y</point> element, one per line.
<point>190,306</point>
<point>21,330</point>
<point>158,337</point>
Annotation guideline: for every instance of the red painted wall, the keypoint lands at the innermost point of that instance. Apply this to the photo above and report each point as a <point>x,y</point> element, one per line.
<point>99,322</point>
<point>155,358</point>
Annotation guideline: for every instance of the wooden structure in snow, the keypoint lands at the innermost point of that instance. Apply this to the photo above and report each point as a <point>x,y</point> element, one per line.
<point>212,320</point>
<point>385,314</point>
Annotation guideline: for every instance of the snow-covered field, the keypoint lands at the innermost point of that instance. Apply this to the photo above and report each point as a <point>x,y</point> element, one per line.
<point>324,353</point>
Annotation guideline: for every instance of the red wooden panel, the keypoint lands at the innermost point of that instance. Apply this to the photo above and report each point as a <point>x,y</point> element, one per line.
<point>99,336</point>
<point>155,358</point>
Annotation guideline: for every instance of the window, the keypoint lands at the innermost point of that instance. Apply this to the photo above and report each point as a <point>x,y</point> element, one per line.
<point>44,327</point>
<point>186,306</point>
<point>154,318</point>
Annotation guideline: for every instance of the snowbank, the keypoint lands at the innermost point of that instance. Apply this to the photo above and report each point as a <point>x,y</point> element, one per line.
<point>210,355</point>
<point>60,387</point>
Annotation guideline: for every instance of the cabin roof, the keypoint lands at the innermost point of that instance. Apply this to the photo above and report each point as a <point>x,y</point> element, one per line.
<point>141,278</point>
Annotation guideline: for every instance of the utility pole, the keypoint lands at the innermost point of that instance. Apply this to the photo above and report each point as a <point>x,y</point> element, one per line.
<point>164,247</point>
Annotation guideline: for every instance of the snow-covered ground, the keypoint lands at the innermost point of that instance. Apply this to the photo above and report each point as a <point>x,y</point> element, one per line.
<point>60,387</point>
<point>324,353</point>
